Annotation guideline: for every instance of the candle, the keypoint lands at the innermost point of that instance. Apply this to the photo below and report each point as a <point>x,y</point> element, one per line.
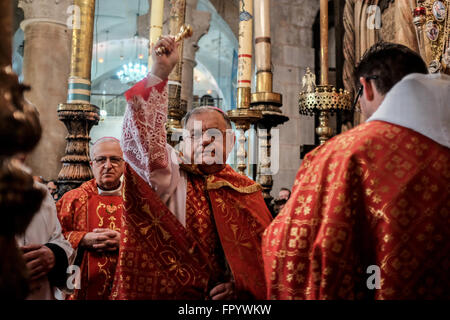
<point>262,18</point>
<point>324,42</point>
<point>156,23</point>
<point>245,43</point>
<point>263,54</point>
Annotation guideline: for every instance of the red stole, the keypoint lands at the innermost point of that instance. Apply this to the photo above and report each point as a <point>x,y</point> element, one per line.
<point>104,212</point>
<point>241,217</point>
<point>160,259</point>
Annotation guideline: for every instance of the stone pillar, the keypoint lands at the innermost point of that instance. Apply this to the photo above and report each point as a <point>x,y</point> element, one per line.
<point>292,53</point>
<point>46,67</point>
<point>199,20</point>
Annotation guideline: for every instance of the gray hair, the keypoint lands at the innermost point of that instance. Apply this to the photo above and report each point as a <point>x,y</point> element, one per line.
<point>100,141</point>
<point>203,109</point>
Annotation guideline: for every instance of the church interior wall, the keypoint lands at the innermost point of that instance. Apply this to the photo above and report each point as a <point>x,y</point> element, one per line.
<point>292,53</point>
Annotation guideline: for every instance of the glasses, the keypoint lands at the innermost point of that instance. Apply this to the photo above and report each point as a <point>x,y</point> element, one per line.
<point>360,91</point>
<point>211,133</point>
<point>115,161</point>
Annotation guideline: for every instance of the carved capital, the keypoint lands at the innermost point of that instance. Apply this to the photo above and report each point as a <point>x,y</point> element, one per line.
<point>50,11</point>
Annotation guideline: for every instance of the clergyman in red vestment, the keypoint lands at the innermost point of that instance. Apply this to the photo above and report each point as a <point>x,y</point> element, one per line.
<point>192,226</point>
<point>368,217</point>
<point>90,218</point>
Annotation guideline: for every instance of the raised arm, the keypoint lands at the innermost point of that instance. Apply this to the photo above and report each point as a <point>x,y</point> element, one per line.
<point>144,142</point>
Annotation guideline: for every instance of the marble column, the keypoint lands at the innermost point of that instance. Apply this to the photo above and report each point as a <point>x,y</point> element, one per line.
<point>200,22</point>
<point>46,67</point>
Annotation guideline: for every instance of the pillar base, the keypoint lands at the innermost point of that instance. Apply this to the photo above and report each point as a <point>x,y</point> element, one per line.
<point>78,119</point>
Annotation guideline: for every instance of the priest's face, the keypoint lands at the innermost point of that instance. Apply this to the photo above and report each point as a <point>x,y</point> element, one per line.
<point>107,164</point>
<point>210,140</point>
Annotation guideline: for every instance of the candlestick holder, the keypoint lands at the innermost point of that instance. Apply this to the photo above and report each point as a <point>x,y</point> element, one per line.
<point>269,104</point>
<point>79,120</point>
<point>322,100</point>
<point>243,119</point>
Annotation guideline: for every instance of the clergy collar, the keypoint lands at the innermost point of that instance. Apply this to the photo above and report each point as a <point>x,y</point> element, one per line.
<point>115,192</point>
<point>419,102</point>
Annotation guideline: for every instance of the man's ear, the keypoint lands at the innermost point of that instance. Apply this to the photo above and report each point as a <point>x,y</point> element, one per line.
<point>368,91</point>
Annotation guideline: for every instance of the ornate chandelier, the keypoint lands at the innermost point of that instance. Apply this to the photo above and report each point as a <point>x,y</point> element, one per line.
<point>132,73</point>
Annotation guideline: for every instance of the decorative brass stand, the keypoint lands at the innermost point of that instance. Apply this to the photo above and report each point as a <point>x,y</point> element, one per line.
<point>78,115</point>
<point>323,99</point>
<point>264,99</point>
<point>243,116</point>
<point>175,111</point>
<point>177,107</point>
<point>269,104</point>
<point>78,119</point>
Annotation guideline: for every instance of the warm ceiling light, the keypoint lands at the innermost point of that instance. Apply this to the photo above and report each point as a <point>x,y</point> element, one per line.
<point>101,60</point>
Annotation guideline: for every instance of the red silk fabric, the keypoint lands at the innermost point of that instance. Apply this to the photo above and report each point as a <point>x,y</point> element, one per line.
<point>375,195</point>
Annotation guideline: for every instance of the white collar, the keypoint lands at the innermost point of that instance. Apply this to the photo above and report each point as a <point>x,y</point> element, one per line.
<point>420,102</point>
<point>115,192</point>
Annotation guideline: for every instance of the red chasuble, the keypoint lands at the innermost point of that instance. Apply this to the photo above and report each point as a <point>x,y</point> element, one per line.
<point>80,211</point>
<point>374,197</point>
<point>161,259</point>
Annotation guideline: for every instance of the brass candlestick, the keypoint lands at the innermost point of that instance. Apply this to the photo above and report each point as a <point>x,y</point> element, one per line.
<point>264,99</point>
<point>243,118</point>
<point>322,99</point>
<point>185,32</point>
<point>177,108</point>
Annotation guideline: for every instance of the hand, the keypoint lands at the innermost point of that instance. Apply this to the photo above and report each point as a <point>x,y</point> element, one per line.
<point>39,259</point>
<point>223,291</point>
<point>101,240</point>
<point>164,64</point>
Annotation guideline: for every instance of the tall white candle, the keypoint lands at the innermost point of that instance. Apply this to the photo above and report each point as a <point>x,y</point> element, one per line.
<point>262,35</point>
<point>262,18</point>
<point>245,43</point>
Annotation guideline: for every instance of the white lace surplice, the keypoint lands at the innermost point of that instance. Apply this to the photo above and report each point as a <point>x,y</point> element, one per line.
<point>145,147</point>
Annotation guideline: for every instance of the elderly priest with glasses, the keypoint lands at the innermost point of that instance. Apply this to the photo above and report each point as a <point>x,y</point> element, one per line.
<point>90,218</point>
